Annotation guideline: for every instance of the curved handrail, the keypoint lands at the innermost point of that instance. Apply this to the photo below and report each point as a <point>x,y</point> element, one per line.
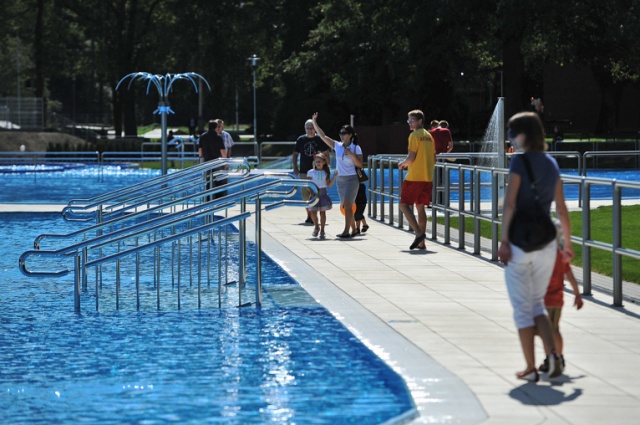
<point>72,211</point>
<point>106,197</point>
<point>163,222</point>
<point>141,214</point>
<point>89,212</point>
<point>595,154</point>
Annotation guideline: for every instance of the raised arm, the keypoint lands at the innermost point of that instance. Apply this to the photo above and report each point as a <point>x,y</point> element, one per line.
<point>328,140</point>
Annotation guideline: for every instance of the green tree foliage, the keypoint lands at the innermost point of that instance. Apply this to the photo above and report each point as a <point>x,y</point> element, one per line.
<point>375,59</point>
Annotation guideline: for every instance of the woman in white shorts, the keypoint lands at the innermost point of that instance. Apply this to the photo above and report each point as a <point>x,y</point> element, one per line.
<point>527,273</point>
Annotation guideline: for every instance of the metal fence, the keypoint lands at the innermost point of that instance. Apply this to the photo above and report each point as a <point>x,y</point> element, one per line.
<point>478,195</point>
<point>21,112</point>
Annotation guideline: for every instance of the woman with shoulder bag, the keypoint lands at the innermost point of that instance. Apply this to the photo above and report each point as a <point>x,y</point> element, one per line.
<point>348,157</point>
<point>528,267</point>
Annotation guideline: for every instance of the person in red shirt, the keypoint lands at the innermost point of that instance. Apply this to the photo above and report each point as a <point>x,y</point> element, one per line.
<point>553,300</point>
<point>441,136</point>
<point>443,143</point>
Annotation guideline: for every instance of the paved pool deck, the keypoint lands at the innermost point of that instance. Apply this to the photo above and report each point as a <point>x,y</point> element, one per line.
<point>442,319</point>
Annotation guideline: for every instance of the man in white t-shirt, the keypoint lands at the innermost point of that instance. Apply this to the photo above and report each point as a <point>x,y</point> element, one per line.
<point>226,137</point>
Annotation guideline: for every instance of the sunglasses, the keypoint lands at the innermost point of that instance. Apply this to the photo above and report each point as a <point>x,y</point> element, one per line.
<point>511,134</point>
<point>342,133</point>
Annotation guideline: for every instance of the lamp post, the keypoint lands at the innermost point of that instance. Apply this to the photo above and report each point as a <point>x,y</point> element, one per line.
<point>254,64</point>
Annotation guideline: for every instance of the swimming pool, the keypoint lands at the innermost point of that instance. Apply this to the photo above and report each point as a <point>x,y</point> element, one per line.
<point>571,191</point>
<point>287,362</point>
<point>59,184</point>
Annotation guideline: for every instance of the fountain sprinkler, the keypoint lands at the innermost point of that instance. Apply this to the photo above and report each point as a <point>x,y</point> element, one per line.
<point>163,84</point>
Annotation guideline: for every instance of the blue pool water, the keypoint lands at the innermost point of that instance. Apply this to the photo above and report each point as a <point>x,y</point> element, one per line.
<point>60,184</point>
<point>571,191</point>
<point>289,362</point>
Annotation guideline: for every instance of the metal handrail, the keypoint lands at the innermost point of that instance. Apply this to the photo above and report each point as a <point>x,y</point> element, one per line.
<point>46,157</point>
<point>595,154</point>
<point>175,206</point>
<point>126,194</point>
<point>471,204</point>
<point>82,249</point>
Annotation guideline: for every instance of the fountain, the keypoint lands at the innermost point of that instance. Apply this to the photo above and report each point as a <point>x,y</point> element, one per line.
<point>492,145</point>
<point>163,84</point>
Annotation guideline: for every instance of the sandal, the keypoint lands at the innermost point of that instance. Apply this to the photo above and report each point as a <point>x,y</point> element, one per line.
<point>365,228</point>
<point>417,241</point>
<point>344,235</point>
<point>529,375</point>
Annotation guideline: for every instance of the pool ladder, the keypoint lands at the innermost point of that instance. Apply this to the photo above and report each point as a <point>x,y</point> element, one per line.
<point>182,212</point>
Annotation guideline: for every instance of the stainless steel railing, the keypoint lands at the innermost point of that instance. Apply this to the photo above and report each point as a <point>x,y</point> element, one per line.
<point>154,190</point>
<point>197,221</point>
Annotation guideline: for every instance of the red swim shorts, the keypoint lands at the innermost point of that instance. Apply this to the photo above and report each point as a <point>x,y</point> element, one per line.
<point>418,193</point>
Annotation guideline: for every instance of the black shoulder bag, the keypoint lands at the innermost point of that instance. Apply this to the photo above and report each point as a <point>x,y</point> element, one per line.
<point>362,176</point>
<point>531,230</point>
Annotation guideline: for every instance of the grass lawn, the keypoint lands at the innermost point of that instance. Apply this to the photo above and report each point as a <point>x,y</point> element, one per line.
<point>157,165</point>
<point>601,228</point>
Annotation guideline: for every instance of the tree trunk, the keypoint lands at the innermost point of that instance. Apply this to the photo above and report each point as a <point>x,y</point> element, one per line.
<point>129,113</point>
<point>513,68</point>
<point>117,112</point>
<point>39,50</point>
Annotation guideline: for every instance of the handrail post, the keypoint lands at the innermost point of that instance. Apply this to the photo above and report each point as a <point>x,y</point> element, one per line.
<point>495,194</point>
<point>617,244</point>
<point>258,238</point>
<point>477,210</point>
<point>447,213</point>
<point>382,186</point>
<point>437,183</point>
<point>461,206</point>
<point>242,262</point>
<point>391,201</point>
<point>77,283</point>
<point>586,235</point>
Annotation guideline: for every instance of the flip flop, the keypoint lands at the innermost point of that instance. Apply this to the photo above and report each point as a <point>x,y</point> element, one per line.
<point>417,241</point>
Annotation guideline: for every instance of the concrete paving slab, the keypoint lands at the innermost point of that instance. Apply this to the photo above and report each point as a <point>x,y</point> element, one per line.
<point>452,307</point>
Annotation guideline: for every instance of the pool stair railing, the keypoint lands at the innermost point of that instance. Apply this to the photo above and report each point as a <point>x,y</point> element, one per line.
<point>154,191</point>
<point>141,242</point>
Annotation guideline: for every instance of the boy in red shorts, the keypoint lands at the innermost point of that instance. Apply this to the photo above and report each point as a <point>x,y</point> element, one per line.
<point>553,299</point>
<point>418,184</point>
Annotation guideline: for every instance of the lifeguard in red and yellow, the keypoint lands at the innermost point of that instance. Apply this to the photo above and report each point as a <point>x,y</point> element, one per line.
<point>418,184</point>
